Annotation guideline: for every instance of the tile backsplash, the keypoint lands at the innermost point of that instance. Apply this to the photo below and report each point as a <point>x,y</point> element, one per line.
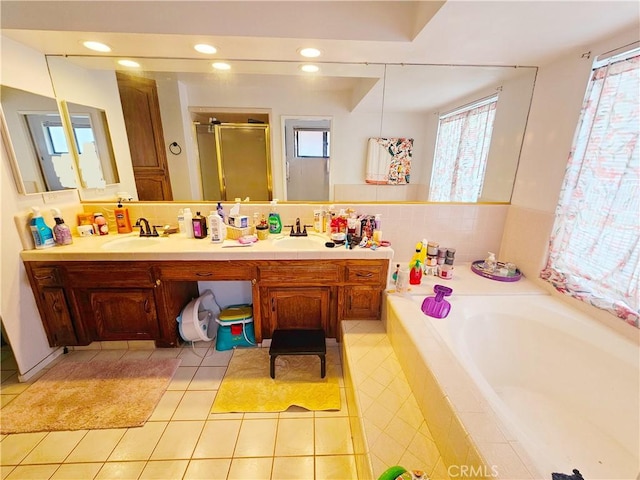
<point>473,230</point>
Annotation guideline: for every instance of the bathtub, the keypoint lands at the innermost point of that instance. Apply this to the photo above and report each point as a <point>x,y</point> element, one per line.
<point>547,387</point>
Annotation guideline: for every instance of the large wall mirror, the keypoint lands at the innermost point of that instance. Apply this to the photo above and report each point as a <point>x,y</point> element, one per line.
<point>341,108</point>
<point>36,141</point>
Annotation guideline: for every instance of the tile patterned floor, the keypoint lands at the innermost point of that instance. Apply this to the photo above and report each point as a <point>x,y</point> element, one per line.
<point>182,439</point>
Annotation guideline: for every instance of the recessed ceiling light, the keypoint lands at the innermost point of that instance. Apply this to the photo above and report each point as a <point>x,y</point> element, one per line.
<point>309,52</point>
<point>221,66</point>
<point>309,68</point>
<point>204,48</point>
<point>97,46</point>
<point>128,63</point>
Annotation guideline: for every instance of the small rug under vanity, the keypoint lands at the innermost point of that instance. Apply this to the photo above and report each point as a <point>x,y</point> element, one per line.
<point>90,395</point>
<point>248,387</point>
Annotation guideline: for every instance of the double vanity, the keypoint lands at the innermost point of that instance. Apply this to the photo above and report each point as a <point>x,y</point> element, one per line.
<point>127,287</point>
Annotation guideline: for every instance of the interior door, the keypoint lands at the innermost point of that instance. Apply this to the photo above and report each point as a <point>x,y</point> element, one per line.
<point>141,110</point>
<point>307,146</point>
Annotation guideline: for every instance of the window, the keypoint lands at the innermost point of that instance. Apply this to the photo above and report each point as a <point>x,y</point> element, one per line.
<point>311,143</point>
<point>595,243</point>
<point>462,147</point>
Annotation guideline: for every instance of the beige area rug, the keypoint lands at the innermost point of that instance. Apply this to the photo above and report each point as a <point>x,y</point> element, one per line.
<point>247,386</point>
<point>90,395</point>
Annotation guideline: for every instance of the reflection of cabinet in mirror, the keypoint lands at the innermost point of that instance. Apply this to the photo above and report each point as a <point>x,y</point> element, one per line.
<point>235,161</point>
<point>139,98</point>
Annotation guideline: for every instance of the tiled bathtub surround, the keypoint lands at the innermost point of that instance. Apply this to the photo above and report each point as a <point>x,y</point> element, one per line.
<point>387,425</point>
<point>464,427</point>
<point>472,230</point>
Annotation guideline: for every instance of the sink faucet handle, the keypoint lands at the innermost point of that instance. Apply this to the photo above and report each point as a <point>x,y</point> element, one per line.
<point>304,232</point>
<point>290,226</point>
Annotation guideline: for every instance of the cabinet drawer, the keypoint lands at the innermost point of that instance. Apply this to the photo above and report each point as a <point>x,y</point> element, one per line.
<point>300,273</point>
<point>209,271</point>
<point>374,274</point>
<point>110,274</point>
<point>46,276</point>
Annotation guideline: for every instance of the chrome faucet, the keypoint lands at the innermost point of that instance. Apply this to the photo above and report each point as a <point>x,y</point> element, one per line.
<point>145,229</point>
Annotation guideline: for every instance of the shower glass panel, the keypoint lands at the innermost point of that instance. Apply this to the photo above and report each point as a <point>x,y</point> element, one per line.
<point>244,161</point>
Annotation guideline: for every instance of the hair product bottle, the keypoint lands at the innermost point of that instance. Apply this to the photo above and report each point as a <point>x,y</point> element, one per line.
<point>61,230</point>
<point>199,226</point>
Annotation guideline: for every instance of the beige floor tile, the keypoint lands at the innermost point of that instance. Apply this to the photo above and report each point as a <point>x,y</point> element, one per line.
<point>96,445</point>
<point>182,378</point>
<point>250,430</point>
<point>226,416</point>
<point>218,439</point>
<point>7,374</point>
<point>32,472</point>
<point>333,436</point>
<point>194,406</point>
<point>167,406</point>
<point>164,469</point>
<point>12,386</point>
<point>217,358</point>
<point>296,412</point>
<point>257,415</point>
<point>138,443</point>
<point>294,437</point>
<point>207,378</point>
<point>120,470</point>
<point>192,358</point>
<point>178,441</point>
<point>77,471</point>
<point>5,470</point>
<point>55,447</point>
<point>109,355</point>
<point>250,469</point>
<point>293,468</point>
<point>210,469</point>
<point>137,354</point>
<point>336,467</point>
<point>165,353</point>
<point>14,448</point>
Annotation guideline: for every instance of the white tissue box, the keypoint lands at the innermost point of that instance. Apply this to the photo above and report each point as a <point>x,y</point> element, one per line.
<point>239,221</point>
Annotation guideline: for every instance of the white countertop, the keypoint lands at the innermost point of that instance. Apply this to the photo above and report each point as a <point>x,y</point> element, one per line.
<point>129,247</point>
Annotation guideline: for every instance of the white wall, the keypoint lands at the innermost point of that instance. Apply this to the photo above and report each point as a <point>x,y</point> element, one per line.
<point>23,68</point>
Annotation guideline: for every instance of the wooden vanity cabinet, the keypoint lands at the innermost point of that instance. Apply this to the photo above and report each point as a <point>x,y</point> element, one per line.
<point>51,299</point>
<point>81,302</point>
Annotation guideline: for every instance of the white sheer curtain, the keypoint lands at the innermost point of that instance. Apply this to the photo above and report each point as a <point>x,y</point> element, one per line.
<point>595,245</point>
<point>461,153</point>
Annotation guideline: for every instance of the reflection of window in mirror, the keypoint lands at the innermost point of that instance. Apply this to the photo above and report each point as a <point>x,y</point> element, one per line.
<point>462,149</point>
<point>50,144</point>
<point>96,161</point>
<point>311,142</point>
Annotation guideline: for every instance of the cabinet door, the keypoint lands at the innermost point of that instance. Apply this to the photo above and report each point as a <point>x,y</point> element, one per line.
<point>361,302</point>
<point>303,307</point>
<point>57,319</point>
<point>119,314</point>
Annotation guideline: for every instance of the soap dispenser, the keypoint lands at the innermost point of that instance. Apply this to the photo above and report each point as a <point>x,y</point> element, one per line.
<point>123,222</point>
<point>42,234</point>
<point>275,223</point>
<point>61,231</point>
<point>490,263</point>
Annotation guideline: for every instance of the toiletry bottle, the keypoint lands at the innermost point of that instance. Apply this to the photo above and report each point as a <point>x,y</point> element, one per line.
<point>199,226</point>
<point>101,223</point>
<point>61,230</point>
<point>489,263</point>
<point>275,222</point>
<point>188,224</point>
<point>217,228</point>
<point>42,234</point>
<point>181,221</point>
<point>123,222</point>
<point>221,212</point>
<point>317,221</point>
<point>377,231</point>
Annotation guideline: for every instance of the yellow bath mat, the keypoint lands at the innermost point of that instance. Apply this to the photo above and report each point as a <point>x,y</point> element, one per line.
<point>247,386</point>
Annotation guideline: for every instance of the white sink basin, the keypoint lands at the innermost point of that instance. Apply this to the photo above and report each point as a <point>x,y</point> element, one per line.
<point>131,243</point>
<point>311,242</point>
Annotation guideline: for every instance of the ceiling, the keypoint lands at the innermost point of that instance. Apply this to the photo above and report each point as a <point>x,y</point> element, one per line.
<point>454,32</point>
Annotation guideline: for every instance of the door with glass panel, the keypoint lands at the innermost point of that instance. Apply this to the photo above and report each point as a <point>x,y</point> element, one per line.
<point>307,149</point>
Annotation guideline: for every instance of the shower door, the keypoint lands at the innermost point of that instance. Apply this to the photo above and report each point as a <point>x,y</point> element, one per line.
<point>235,161</point>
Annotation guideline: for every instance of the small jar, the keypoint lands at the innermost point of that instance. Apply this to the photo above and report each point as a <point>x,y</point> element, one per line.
<point>445,271</point>
<point>101,224</point>
<point>432,249</point>
<point>262,231</point>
